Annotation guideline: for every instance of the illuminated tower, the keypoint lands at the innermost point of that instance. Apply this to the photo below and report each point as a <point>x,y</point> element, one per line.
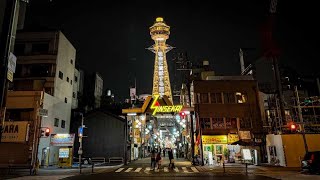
<point>161,82</point>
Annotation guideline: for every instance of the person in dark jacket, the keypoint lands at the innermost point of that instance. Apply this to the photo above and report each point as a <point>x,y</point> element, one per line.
<point>153,159</point>
<point>170,154</point>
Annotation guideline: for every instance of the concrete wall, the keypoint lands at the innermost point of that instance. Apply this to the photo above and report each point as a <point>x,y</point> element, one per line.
<point>57,108</point>
<point>66,53</point>
<point>98,90</point>
<point>276,141</point>
<point>76,87</point>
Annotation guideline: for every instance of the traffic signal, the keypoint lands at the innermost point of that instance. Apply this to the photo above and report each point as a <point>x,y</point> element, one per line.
<point>293,128</point>
<point>45,132</point>
<point>182,115</point>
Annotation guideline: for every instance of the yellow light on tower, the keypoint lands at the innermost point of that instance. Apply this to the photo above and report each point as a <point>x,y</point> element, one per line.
<point>159,19</point>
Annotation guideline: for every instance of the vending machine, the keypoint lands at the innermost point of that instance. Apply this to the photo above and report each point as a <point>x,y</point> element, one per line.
<point>65,157</point>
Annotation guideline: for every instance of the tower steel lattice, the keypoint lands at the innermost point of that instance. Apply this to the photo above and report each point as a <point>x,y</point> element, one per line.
<point>160,32</point>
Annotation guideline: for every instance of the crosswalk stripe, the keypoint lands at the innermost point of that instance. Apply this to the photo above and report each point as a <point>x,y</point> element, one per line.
<point>148,169</point>
<point>138,170</point>
<point>129,169</point>
<point>194,169</point>
<point>165,169</point>
<point>156,170</point>
<point>176,169</point>
<point>120,169</point>
<point>184,169</point>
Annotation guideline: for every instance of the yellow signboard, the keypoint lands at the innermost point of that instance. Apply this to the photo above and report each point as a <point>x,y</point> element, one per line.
<point>163,109</point>
<point>216,139</point>
<point>15,131</point>
<point>233,138</point>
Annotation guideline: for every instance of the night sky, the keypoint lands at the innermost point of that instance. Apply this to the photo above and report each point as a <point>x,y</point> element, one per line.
<point>111,36</point>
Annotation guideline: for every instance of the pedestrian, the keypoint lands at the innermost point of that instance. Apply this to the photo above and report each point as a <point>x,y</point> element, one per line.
<point>153,159</point>
<point>164,152</point>
<point>158,159</point>
<point>170,154</point>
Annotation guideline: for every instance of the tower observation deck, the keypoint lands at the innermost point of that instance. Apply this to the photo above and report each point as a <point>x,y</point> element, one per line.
<point>160,32</point>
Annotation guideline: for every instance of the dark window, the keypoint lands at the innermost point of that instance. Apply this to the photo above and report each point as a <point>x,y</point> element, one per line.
<point>205,123</point>
<point>231,123</point>
<point>67,79</point>
<point>65,100</point>
<point>71,61</point>
<point>217,123</point>
<point>71,82</point>
<point>19,49</point>
<point>56,122</point>
<point>60,75</point>
<point>40,48</point>
<point>204,98</point>
<point>63,123</point>
<point>74,95</point>
<point>39,70</point>
<point>229,98</point>
<point>75,78</point>
<point>215,98</point>
<point>245,123</point>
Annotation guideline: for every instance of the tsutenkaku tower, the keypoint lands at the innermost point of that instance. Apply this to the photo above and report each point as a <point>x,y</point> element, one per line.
<point>160,32</point>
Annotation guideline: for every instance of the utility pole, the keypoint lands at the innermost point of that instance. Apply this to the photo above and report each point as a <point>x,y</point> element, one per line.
<point>125,140</point>
<point>80,152</point>
<point>301,118</point>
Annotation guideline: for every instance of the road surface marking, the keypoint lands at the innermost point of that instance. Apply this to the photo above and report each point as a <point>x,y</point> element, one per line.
<point>176,169</point>
<point>129,169</point>
<point>138,170</point>
<point>148,169</point>
<point>165,169</point>
<point>156,170</point>
<point>194,169</point>
<point>184,169</point>
<point>120,169</point>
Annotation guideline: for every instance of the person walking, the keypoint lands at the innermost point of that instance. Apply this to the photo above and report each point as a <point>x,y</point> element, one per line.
<point>153,159</point>
<point>170,154</point>
<point>158,160</point>
<point>164,152</point>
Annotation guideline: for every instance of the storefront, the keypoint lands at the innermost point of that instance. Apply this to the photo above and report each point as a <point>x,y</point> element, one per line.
<point>217,148</point>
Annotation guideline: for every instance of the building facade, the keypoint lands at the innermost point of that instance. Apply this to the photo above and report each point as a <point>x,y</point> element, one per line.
<point>46,62</point>
<point>227,110</point>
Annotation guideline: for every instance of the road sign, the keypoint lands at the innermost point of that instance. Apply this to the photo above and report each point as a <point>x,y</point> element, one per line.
<point>43,112</point>
<point>10,75</point>
<point>80,131</point>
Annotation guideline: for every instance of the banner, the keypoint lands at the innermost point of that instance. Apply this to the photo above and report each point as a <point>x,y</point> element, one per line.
<point>62,139</point>
<point>216,139</point>
<point>15,131</point>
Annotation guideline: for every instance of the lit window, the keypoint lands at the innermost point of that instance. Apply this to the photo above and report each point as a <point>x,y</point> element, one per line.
<point>241,97</point>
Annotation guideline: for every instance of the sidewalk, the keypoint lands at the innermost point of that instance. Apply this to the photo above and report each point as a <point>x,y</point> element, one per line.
<point>146,162</point>
<point>56,172</point>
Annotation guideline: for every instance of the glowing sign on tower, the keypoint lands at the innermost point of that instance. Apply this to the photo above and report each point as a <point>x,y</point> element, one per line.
<point>163,109</point>
<point>160,32</point>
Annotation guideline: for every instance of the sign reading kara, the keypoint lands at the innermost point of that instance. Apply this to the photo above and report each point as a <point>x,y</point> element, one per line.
<point>15,132</point>
<point>163,109</point>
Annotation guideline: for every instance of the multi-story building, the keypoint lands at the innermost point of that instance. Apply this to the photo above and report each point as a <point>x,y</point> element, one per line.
<point>93,91</point>
<point>227,110</point>
<point>46,62</point>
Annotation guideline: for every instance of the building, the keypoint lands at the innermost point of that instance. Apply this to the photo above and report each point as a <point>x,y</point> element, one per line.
<point>104,135</point>
<point>91,98</point>
<point>160,32</point>
<point>46,62</point>
<point>227,111</point>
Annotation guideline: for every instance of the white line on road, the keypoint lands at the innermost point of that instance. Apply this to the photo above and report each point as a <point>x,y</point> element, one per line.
<point>165,169</point>
<point>120,169</point>
<point>148,169</point>
<point>129,169</point>
<point>138,170</point>
<point>194,169</point>
<point>184,169</point>
<point>176,169</point>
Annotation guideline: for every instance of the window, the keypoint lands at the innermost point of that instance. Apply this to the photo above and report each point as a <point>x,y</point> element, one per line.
<point>245,123</point>
<point>205,123</point>
<point>71,61</point>
<point>56,122</point>
<point>231,123</point>
<point>65,100</point>
<point>75,78</point>
<point>63,123</point>
<point>40,48</point>
<point>67,79</point>
<point>71,82</point>
<point>74,95</point>
<point>241,97</point>
<point>229,98</point>
<point>204,98</point>
<point>60,75</point>
<point>215,98</point>
<point>19,49</point>
<point>217,123</point>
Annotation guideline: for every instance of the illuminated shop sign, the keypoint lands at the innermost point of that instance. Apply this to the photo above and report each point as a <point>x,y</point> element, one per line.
<point>163,109</point>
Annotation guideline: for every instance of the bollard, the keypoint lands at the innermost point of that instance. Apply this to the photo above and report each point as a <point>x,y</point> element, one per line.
<point>246,168</point>
<point>224,168</point>
<point>92,167</point>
